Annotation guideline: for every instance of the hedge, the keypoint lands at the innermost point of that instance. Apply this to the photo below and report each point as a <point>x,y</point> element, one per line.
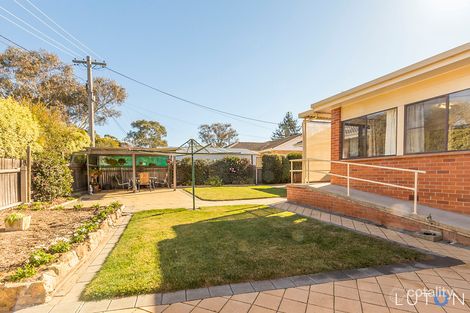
<point>229,170</point>
<point>276,168</point>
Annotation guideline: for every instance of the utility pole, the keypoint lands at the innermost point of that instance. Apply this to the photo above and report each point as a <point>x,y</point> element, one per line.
<point>91,98</point>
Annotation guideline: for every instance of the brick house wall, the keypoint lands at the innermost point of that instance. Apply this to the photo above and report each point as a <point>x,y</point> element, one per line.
<point>446,184</point>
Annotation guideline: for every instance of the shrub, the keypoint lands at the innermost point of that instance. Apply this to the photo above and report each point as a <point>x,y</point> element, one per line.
<point>51,177</point>
<point>183,171</point>
<point>13,217</point>
<point>22,207</point>
<point>37,206</point>
<point>60,247</point>
<point>40,257</point>
<point>59,208</point>
<point>272,169</point>
<point>23,272</point>
<point>214,181</point>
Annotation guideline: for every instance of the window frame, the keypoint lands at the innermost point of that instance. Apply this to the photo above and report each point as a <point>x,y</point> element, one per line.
<point>367,145</point>
<point>447,96</point>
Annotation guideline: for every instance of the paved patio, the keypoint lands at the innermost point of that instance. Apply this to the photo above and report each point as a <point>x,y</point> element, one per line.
<point>163,199</point>
<point>373,292</point>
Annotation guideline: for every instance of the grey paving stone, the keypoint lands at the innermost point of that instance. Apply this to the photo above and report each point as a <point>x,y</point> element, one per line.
<point>122,303</point>
<point>196,294</point>
<point>364,273</point>
<point>241,288</point>
<point>149,300</point>
<point>262,285</point>
<point>303,280</point>
<point>282,283</point>
<point>173,297</point>
<point>330,276</point>
<point>394,268</point>
<point>220,291</point>
<point>95,306</point>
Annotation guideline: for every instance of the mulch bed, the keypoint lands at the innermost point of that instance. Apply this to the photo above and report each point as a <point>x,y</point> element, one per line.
<point>46,226</point>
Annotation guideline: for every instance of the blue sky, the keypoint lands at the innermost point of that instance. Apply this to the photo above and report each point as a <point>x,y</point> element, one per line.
<point>255,58</point>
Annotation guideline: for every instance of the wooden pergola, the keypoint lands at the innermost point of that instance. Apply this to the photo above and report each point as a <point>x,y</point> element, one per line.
<point>134,153</point>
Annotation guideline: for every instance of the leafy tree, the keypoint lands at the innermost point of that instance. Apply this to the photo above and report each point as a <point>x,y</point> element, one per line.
<point>147,134</point>
<point>56,135</point>
<point>42,77</point>
<point>288,127</point>
<point>108,141</point>
<point>218,134</point>
<point>18,128</point>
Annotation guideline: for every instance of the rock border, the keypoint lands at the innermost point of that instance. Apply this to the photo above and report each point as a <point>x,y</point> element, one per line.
<point>18,295</point>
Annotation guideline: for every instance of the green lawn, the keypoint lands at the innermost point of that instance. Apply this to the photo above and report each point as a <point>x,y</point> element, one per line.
<point>238,192</point>
<point>174,249</point>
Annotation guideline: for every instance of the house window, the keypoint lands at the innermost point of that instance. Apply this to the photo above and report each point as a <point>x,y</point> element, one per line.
<point>439,124</point>
<point>371,135</point>
<point>426,126</point>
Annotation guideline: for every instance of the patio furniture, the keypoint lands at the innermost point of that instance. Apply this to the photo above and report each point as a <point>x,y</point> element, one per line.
<point>144,180</point>
<point>122,184</point>
<point>160,182</point>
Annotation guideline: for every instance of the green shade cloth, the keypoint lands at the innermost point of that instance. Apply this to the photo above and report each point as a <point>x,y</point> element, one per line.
<point>126,161</point>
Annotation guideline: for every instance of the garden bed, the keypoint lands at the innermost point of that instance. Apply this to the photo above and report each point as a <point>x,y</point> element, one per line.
<point>47,226</point>
<point>53,259</point>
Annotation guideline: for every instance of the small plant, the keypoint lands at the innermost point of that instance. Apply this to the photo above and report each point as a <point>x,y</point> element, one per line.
<point>37,206</point>
<point>60,247</point>
<point>214,181</point>
<point>13,217</point>
<point>23,272</point>
<point>78,206</point>
<point>95,206</point>
<point>22,207</point>
<point>40,257</point>
<point>59,208</point>
<point>115,205</point>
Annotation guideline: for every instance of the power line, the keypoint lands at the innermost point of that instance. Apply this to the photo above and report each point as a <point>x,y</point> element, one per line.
<point>65,31</point>
<point>50,27</point>
<point>35,35</point>
<point>16,44</point>
<point>189,101</point>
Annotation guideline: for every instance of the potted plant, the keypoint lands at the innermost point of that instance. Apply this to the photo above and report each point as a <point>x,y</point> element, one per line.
<point>17,221</point>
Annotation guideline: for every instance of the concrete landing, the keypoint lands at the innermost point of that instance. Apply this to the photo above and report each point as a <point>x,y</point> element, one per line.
<point>400,207</point>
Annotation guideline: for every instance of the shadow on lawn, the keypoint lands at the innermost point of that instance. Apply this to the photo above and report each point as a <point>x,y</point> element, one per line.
<point>279,191</point>
<point>259,244</point>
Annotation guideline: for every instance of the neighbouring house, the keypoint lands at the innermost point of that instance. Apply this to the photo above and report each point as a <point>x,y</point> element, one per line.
<point>416,118</point>
<point>282,146</point>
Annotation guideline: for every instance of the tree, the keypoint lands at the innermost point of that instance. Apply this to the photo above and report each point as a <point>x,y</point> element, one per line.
<point>288,127</point>
<point>18,129</point>
<point>56,135</point>
<point>108,141</point>
<point>41,76</point>
<point>148,134</point>
<point>218,134</point>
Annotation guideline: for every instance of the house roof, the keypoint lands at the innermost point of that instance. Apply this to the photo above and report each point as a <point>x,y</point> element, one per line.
<point>267,145</point>
<point>437,64</point>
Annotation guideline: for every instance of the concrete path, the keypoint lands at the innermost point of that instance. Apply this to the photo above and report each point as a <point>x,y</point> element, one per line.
<point>163,199</point>
<point>376,293</point>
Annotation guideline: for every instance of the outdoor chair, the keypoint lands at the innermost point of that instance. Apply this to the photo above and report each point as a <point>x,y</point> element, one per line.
<point>122,184</point>
<point>144,180</point>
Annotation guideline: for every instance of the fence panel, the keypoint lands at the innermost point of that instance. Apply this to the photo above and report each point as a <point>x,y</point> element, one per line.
<point>10,182</point>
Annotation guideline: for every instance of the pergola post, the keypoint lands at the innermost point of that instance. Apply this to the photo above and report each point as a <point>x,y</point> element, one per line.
<point>134,175</point>
<point>88,172</point>
<point>174,172</point>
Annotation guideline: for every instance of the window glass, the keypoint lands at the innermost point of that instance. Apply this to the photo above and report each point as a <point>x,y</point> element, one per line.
<point>459,121</point>
<point>371,135</point>
<point>354,135</point>
<point>426,126</point>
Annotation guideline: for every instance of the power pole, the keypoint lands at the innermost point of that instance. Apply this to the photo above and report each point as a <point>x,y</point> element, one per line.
<point>91,99</point>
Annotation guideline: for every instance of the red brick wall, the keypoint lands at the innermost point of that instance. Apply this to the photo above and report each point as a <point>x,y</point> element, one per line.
<point>445,185</point>
<point>308,196</point>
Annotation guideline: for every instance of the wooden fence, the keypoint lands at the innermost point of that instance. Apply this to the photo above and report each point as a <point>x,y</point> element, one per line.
<point>11,182</point>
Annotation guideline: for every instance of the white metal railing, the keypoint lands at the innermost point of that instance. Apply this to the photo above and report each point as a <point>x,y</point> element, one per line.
<point>348,175</point>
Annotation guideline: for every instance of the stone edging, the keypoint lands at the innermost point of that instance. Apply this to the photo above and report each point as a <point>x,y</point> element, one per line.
<point>18,295</point>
